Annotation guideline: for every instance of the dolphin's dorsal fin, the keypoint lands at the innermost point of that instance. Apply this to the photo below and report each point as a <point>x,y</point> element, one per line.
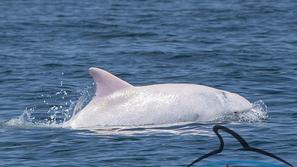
<point>106,83</point>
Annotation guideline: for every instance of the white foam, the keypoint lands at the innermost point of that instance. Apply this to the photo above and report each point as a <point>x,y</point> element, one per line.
<point>55,115</point>
<point>256,114</point>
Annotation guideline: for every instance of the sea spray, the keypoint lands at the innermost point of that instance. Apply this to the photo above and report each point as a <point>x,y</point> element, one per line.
<point>53,111</point>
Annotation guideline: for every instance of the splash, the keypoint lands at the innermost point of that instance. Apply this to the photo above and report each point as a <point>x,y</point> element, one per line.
<point>256,114</point>
<point>53,111</point>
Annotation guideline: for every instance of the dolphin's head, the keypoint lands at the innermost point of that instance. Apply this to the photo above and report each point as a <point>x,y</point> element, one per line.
<point>236,103</point>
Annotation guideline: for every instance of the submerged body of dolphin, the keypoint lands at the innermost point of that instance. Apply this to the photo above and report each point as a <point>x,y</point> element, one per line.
<point>116,102</point>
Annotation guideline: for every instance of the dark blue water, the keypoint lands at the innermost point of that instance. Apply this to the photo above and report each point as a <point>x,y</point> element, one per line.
<point>46,49</point>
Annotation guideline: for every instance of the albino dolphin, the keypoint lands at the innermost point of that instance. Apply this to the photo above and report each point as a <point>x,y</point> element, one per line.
<point>117,102</point>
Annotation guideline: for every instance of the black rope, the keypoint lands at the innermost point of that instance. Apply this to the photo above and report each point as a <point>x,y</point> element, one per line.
<point>244,144</point>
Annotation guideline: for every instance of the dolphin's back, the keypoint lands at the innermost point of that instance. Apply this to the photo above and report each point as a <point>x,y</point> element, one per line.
<point>158,104</point>
<point>119,103</point>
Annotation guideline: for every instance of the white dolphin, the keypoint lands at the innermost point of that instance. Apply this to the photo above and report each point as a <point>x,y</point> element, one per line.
<point>117,103</point>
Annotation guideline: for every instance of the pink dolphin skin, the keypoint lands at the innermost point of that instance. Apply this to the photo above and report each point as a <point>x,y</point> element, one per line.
<point>117,103</point>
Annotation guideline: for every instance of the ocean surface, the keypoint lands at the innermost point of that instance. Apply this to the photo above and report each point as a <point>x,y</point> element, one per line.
<point>46,48</point>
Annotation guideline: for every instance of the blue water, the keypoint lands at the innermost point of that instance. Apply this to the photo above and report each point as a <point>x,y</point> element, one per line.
<point>46,48</point>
